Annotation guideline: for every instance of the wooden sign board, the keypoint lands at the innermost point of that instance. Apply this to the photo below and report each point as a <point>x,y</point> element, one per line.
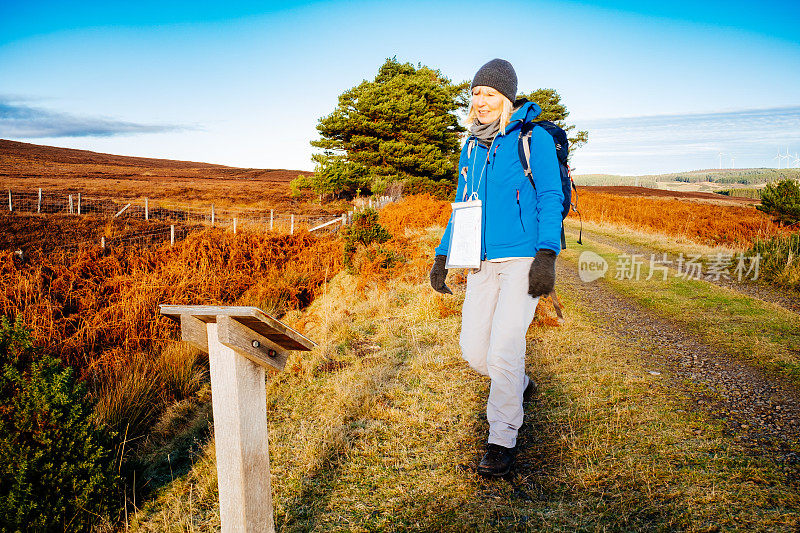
<point>247,330</point>
<point>240,342</point>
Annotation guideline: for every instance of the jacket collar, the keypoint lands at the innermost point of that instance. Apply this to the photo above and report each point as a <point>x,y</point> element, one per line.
<point>527,111</point>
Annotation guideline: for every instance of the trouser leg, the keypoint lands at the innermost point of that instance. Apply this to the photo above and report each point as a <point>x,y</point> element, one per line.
<point>505,360</point>
<point>476,316</point>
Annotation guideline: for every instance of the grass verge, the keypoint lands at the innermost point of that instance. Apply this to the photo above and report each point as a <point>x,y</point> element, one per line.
<point>762,333</point>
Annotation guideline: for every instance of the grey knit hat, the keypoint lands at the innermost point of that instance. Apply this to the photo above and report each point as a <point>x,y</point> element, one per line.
<point>498,74</point>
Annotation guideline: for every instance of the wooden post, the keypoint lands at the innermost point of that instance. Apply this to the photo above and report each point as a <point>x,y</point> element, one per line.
<point>122,210</point>
<point>39,203</point>
<point>212,214</point>
<point>292,227</point>
<point>172,235</point>
<point>10,206</point>
<point>270,219</point>
<point>344,219</point>
<point>79,203</point>
<point>241,440</point>
<point>370,202</point>
<point>70,204</point>
<point>103,242</point>
<point>146,209</point>
<point>234,225</point>
<point>241,342</point>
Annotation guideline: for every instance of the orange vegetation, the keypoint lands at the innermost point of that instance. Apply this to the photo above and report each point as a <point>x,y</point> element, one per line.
<point>418,211</point>
<point>94,304</point>
<point>701,222</point>
<point>402,257</point>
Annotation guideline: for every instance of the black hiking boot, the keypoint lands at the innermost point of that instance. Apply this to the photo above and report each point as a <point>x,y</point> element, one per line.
<point>530,391</point>
<point>497,461</point>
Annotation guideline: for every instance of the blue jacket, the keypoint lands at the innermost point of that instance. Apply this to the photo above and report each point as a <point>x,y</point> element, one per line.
<point>518,220</point>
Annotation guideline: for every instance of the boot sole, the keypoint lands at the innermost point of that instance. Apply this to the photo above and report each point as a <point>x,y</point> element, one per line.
<point>489,473</point>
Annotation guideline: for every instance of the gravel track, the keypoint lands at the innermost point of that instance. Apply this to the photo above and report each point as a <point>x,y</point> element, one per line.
<point>755,290</point>
<point>759,409</point>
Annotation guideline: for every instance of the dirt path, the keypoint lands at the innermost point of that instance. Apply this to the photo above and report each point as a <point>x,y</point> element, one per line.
<point>760,409</point>
<point>754,290</point>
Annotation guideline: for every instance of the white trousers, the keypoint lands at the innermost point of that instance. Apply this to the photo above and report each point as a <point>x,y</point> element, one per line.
<point>495,317</point>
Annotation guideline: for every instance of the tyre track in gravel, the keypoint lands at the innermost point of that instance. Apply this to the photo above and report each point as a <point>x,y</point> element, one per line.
<point>752,289</point>
<point>759,409</point>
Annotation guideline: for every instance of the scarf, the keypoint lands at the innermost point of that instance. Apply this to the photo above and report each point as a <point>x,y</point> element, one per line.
<point>485,133</point>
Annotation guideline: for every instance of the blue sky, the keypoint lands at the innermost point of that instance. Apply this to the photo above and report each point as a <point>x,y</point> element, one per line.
<point>661,86</point>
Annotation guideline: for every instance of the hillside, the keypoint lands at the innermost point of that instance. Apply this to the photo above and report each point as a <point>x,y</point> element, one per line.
<point>650,192</point>
<point>26,167</point>
<point>703,180</point>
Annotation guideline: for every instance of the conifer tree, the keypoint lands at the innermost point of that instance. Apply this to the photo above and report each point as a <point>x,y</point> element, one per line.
<point>400,127</point>
<point>555,111</point>
<point>782,201</point>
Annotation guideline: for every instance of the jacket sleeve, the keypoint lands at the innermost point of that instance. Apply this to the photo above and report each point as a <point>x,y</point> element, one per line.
<point>549,194</point>
<point>444,246</point>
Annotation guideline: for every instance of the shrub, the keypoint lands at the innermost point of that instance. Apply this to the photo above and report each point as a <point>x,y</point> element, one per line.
<point>299,184</point>
<point>781,200</point>
<point>415,212</point>
<point>56,466</point>
<point>780,260</point>
<point>364,230</point>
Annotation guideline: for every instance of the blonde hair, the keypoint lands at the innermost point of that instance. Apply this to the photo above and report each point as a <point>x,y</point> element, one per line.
<point>505,115</point>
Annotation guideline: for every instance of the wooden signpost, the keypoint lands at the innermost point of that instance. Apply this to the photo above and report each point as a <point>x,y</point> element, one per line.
<point>240,342</point>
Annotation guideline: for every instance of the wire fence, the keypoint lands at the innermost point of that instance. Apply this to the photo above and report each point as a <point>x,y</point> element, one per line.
<point>183,219</point>
<point>140,239</point>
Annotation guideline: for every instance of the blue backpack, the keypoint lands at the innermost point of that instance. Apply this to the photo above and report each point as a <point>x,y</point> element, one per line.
<point>562,152</point>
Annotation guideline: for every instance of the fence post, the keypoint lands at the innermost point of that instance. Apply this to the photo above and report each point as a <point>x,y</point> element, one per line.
<point>271,212</point>
<point>103,242</point>
<point>292,227</point>
<point>344,219</point>
<point>10,206</point>
<point>370,202</point>
<point>70,204</point>
<point>79,203</point>
<point>234,225</point>
<point>39,204</point>
<point>146,209</point>
<point>212,214</point>
<point>172,235</point>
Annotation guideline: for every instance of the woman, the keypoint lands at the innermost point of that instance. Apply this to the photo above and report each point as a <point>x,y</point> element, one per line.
<point>520,239</point>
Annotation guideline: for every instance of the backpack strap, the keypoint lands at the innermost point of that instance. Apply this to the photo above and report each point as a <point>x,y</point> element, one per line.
<point>470,146</point>
<point>524,149</point>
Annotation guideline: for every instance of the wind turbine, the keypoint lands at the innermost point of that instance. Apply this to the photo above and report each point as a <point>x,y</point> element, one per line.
<point>787,157</point>
<point>720,159</point>
<point>733,161</point>
<point>779,157</point>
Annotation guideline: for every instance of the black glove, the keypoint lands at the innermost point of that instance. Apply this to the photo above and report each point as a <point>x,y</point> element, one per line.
<point>438,275</point>
<point>542,275</point>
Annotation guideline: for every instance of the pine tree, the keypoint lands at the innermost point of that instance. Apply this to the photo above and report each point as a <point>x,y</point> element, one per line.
<point>400,127</point>
<point>555,111</point>
<point>781,200</point>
